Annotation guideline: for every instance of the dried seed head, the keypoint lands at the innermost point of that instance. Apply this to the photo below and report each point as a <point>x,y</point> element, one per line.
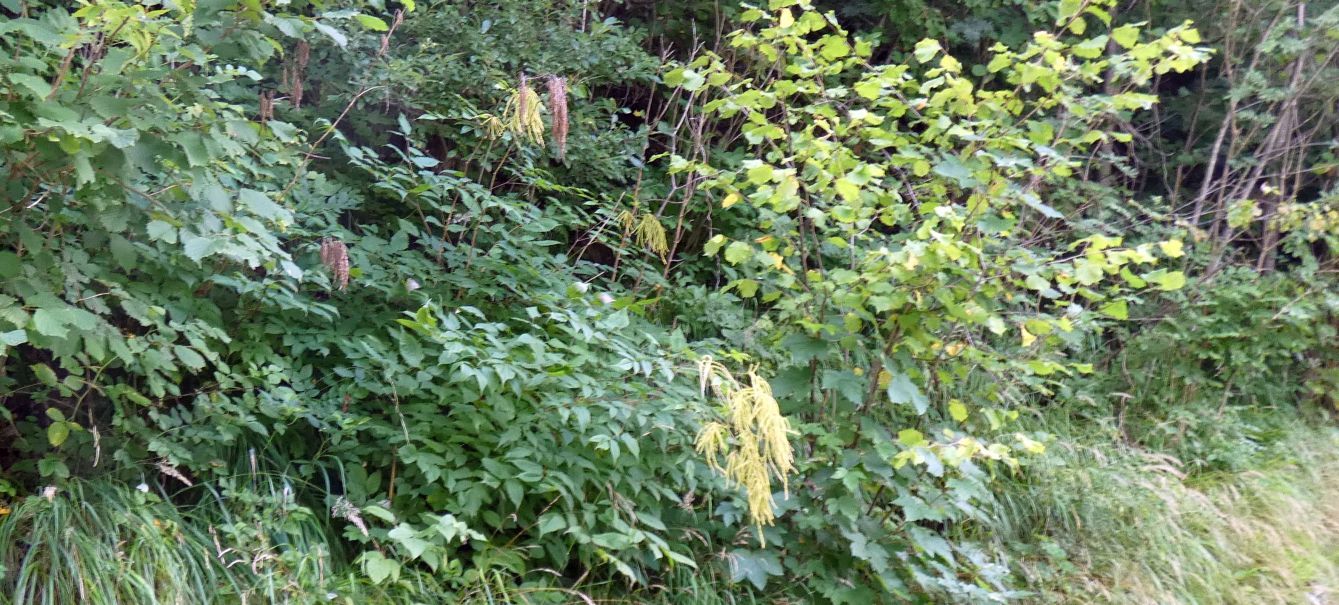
<point>165,467</point>
<point>523,101</point>
<point>335,256</point>
<point>294,71</point>
<point>343,509</point>
<point>266,105</point>
<point>558,113</point>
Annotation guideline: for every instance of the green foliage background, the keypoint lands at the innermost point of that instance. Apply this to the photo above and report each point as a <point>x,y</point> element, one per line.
<point>294,308</point>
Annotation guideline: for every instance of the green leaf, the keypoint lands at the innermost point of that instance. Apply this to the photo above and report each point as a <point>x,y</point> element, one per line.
<point>1173,280</point>
<point>754,565</point>
<point>845,383</point>
<point>50,323</point>
<point>44,374</point>
<point>161,231</point>
<point>197,248</point>
<point>188,356</point>
<point>123,252</point>
<point>957,410</point>
<point>1126,35</point>
<point>261,205</point>
<point>372,23</point>
<point>737,252</point>
<point>902,390</point>
<point>910,437</point>
<point>550,523</point>
<point>713,245</point>
<point>57,433</point>
<point>9,265</point>
<point>760,174</point>
<point>333,34</point>
<point>1117,309</point>
<point>14,338</point>
<point>53,467</point>
<point>38,86</point>
<point>1067,10</point>
<point>379,568</point>
<point>927,49</point>
<point>406,537</point>
<point>953,168</point>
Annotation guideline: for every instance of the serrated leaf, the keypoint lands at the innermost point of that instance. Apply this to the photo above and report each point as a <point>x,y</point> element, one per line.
<point>927,49</point>
<point>196,247</point>
<point>44,374</point>
<point>161,231</point>
<point>50,323</point>
<point>902,390</point>
<point>737,252</point>
<point>123,252</point>
<point>1117,309</point>
<point>1126,35</point>
<point>261,205</point>
<point>379,568</point>
<point>754,566</point>
<point>38,86</point>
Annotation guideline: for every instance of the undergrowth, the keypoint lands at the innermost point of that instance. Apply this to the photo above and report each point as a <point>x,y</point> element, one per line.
<point>1108,522</point>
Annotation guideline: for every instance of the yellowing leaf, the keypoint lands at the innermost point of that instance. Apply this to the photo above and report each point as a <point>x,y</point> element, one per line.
<point>1117,309</point>
<point>1172,248</point>
<point>1028,338</point>
<point>957,410</point>
<point>1125,35</point>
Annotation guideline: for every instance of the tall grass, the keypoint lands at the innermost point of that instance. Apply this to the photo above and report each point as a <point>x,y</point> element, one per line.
<point>1117,524</point>
<point>101,543</point>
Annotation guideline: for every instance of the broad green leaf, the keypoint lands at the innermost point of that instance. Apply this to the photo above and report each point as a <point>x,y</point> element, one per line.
<point>261,205</point>
<point>36,85</point>
<point>1116,309</point>
<point>737,252</point>
<point>372,23</point>
<point>902,390</point>
<point>57,433</point>
<point>1126,35</point>
<point>927,49</point>
<point>379,569</point>
<point>957,410</point>
<point>50,323</point>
